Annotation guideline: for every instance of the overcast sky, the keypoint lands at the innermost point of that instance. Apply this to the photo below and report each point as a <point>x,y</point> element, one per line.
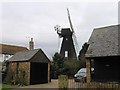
<point>22,20</point>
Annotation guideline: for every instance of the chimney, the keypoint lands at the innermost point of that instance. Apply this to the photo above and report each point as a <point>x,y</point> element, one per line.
<point>31,44</point>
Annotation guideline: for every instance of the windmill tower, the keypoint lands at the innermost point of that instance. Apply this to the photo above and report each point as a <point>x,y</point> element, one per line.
<point>69,40</point>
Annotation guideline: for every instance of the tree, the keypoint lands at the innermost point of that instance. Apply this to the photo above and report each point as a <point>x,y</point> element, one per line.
<point>57,65</point>
<point>83,51</point>
<point>81,55</point>
<point>71,67</point>
<point>61,66</point>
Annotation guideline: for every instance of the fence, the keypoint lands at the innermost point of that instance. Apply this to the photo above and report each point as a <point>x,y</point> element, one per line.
<point>94,85</point>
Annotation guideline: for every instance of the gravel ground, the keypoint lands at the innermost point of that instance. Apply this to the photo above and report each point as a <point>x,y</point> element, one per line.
<point>52,84</point>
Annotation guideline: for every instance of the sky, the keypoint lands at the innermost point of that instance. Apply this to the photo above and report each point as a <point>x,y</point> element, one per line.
<point>21,21</point>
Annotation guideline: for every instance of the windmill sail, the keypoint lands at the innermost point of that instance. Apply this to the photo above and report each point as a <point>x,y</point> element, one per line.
<point>74,36</point>
<point>71,26</point>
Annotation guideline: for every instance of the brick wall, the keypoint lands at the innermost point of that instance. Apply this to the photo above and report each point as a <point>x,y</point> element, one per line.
<point>48,72</point>
<point>21,66</point>
<point>88,70</point>
<point>25,66</point>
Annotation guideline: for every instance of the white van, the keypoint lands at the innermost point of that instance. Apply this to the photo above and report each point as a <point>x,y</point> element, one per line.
<point>80,76</point>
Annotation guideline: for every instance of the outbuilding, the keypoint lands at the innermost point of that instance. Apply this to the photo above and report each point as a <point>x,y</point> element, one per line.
<point>8,51</point>
<point>32,66</point>
<point>104,50</point>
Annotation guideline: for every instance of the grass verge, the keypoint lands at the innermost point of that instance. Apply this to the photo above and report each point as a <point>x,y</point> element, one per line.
<point>7,87</point>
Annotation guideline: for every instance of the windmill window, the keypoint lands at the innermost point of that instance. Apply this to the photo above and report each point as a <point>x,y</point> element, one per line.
<point>107,65</point>
<point>66,53</point>
<point>66,38</point>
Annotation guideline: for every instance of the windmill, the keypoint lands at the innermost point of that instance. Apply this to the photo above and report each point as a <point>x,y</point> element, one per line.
<point>69,43</point>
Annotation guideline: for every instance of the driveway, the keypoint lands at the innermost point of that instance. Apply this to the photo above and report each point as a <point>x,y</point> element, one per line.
<point>52,84</point>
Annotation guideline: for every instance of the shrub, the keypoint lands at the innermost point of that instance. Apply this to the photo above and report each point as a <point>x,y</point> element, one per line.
<point>23,77</point>
<point>63,81</point>
<point>10,78</point>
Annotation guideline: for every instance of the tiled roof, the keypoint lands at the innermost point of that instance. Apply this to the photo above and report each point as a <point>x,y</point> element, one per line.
<point>104,42</point>
<point>35,55</point>
<point>11,49</point>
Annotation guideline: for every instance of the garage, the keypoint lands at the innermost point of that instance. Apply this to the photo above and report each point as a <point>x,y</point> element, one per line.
<point>32,65</point>
<point>38,73</point>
